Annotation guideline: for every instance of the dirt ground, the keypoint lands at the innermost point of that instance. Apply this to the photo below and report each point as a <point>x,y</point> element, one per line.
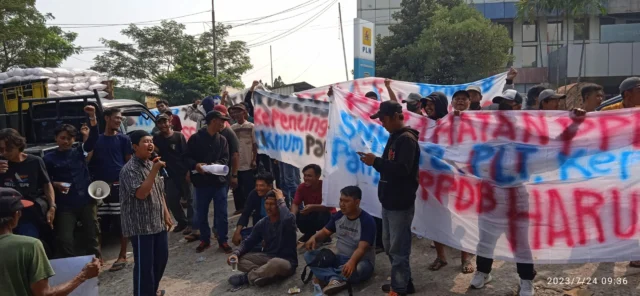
<point>191,274</point>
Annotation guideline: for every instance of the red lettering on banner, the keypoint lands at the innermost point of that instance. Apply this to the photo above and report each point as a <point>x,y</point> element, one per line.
<point>486,199</point>
<point>535,127</point>
<point>573,129</point>
<point>636,130</point>
<point>630,231</point>
<point>442,126</point>
<point>187,131</point>
<point>505,128</point>
<point>606,130</point>
<point>465,189</point>
<point>444,184</point>
<point>515,214</point>
<point>293,122</point>
<point>466,128</point>
<point>484,117</point>
<point>583,210</point>
<point>426,181</point>
<point>556,207</point>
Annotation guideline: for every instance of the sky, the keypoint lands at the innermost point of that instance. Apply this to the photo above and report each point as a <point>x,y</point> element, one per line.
<point>312,54</point>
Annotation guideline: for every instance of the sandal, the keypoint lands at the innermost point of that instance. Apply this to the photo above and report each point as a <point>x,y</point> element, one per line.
<point>635,264</point>
<point>437,264</point>
<point>192,237</point>
<point>118,265</point>
<point>467,267</point>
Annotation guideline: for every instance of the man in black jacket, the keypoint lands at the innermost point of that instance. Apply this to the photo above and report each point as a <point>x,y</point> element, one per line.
<point>207,147</point>
<point>398,168</point>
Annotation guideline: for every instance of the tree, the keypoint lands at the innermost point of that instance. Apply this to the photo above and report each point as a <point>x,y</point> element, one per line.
<point>276,83</point>
<point>442,42</point>
<point>26,41</point>
<point>165,58</point>
<point>529,10</point>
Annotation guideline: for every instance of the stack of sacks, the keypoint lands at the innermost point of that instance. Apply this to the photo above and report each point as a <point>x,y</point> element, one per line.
<point>61,82</point>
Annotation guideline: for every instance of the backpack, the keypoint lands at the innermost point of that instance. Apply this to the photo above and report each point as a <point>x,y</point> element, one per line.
<point>325,258</point>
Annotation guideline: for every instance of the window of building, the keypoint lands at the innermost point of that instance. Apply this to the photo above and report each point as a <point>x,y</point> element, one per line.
<point>509,26</point>
<point>554,31</point>
<point>581,29</point>
<point>605,21</point>
<point>529,56</point>
<point>529,32</point>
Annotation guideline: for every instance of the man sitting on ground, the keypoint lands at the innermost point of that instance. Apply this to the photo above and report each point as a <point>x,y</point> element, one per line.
<point>311,215</point>
<point>254,206</point>
<point>356,232</point>
<point>24,267</point>
<point>279,258</point>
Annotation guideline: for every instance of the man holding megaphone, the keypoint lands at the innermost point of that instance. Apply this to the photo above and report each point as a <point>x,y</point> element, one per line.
<point>145,219</point>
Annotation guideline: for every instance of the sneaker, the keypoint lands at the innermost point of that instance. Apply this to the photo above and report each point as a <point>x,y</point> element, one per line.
<point>526,288</point>
<point>226,248</point>
<point>410,288</point>
<point>187,230</point>
<point>334,287</point>
<point>305,237</point>
<point>203,246</point>
<point>179,228</point>
<point>480,279</point>
<point>238,280</point>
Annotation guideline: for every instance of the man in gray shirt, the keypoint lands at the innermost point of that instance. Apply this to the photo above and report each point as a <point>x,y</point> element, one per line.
<point>356,232</point>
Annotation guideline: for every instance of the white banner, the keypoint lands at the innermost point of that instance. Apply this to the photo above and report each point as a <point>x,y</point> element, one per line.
<point>525,186</point>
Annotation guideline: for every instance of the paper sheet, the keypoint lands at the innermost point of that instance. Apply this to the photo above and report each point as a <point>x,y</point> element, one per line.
<point>66,269</point>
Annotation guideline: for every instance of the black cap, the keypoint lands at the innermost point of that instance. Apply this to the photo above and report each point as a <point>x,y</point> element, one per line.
<point>462,91</point>
<point>240,106</point>
<point>371,95</point>
<point>137,135</point>
<point>215,114</point>
<point>11,201</point>
<point>388,108</point>
<point>162,117</point>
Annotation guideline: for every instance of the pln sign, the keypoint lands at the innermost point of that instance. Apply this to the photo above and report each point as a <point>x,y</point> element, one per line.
<point>364,49</point>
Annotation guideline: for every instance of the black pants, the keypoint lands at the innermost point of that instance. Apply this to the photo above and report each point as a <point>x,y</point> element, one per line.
<point>525,270</point>
<point>67,237</point>
<point>150,254</point>
<point>378,232</point>
<point>175,191</point>
<point>309,224</point>
<point>246,183</point>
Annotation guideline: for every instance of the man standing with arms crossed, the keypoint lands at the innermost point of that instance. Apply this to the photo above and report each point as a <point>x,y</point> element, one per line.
<point>398,168</point>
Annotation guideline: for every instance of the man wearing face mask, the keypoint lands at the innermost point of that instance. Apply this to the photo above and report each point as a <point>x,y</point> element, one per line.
<point>413,103</point>
<point>509,100</point>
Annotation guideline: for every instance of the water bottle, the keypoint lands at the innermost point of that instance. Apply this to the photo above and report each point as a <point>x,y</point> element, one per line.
<point>317,290</point>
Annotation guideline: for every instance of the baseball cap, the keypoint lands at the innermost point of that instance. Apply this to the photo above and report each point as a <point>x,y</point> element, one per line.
<point>388,108</point>
<point>371,95</point>
<point>11,201</point>
<point>239,107</point>
<point>222,109</point>
<point>462,91</point>
<point>474,88</point>
<point>550,94</point>
<point>162,117</point>
<point>629,83</point>
<point>509,95</point>
<point>412,98</point>
<point>215,114</point>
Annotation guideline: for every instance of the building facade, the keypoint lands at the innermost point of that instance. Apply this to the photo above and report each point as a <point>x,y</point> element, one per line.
<point>549,50</point>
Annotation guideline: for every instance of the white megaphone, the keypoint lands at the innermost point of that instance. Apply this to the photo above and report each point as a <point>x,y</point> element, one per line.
<point>99,190</point>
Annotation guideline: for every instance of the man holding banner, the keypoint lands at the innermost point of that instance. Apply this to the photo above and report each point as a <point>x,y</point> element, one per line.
<point>398,168</point>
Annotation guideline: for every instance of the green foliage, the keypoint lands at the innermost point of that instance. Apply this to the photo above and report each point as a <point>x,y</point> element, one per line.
<point>528,10</point>
<point>443,43</point>
<point>276,83</point>
<point>179,65</point>
<point>26,41</point>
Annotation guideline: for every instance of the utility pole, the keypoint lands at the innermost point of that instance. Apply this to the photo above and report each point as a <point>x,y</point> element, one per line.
<point>271,59</point>
<point>213,25</point>
<point>344,52</point>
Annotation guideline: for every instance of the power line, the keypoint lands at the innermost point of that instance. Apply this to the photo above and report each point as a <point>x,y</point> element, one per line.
<point>294,29</point>
<point>309,67</point>
<point>277,13</point>
<point>288,17</point>
<point>140,22</point>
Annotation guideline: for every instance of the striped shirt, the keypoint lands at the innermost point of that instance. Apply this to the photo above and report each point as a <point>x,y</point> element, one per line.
<point>140,216</point>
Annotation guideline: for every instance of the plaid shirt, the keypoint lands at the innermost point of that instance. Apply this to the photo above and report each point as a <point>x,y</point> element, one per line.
<point>140,216</point>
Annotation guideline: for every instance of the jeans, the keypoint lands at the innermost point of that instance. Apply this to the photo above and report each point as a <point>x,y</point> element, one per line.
<point>150,254</point>
<point>396,237</point>
<point>312,222</point>
<point>65,227</point>
<point>27,228</point>
<point>364,269</point>
<point>174,193</point>
<point>246,183</point>
<point>262,266</point>
<point>204,195</point>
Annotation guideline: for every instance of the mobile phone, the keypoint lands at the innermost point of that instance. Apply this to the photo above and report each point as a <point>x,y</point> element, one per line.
<point>361,153</point>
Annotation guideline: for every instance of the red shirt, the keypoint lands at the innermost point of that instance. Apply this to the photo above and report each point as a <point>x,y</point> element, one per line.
<point>309,195</point>
<point>175,123</point>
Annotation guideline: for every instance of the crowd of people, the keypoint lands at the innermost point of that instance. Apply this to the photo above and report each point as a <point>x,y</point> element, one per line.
<point>47,211</point>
